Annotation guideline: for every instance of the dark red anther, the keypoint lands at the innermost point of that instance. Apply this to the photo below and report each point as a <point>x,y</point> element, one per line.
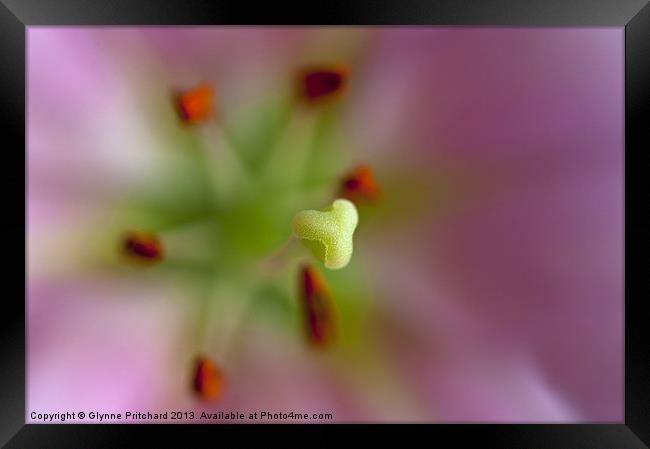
<point>320,312</point>
<point>144,246</point>
<point>360,185</point>
<point>195,105</point>
<point>208,382</point>
<point>320,82</point>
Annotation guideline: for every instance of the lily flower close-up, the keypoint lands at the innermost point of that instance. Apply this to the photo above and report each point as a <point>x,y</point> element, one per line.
<point>354,223</point>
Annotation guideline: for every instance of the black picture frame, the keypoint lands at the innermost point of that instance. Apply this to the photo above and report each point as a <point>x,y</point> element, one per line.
<point>633,15</point>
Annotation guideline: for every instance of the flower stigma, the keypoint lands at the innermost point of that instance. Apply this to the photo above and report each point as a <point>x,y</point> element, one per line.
<point>328,233</point>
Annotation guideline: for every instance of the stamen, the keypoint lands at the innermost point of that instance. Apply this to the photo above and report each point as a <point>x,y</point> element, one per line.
<point>321,316</point>
<point>195,105</point>
<point>319,82</point>
<point>143,246</point>
<point>208,380</point>
<point>360,185</point>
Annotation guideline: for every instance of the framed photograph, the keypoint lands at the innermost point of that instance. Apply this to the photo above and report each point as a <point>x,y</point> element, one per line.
<point>414,213</point>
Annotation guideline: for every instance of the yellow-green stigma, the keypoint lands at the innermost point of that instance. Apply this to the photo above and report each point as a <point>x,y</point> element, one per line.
<point>328,233</point>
